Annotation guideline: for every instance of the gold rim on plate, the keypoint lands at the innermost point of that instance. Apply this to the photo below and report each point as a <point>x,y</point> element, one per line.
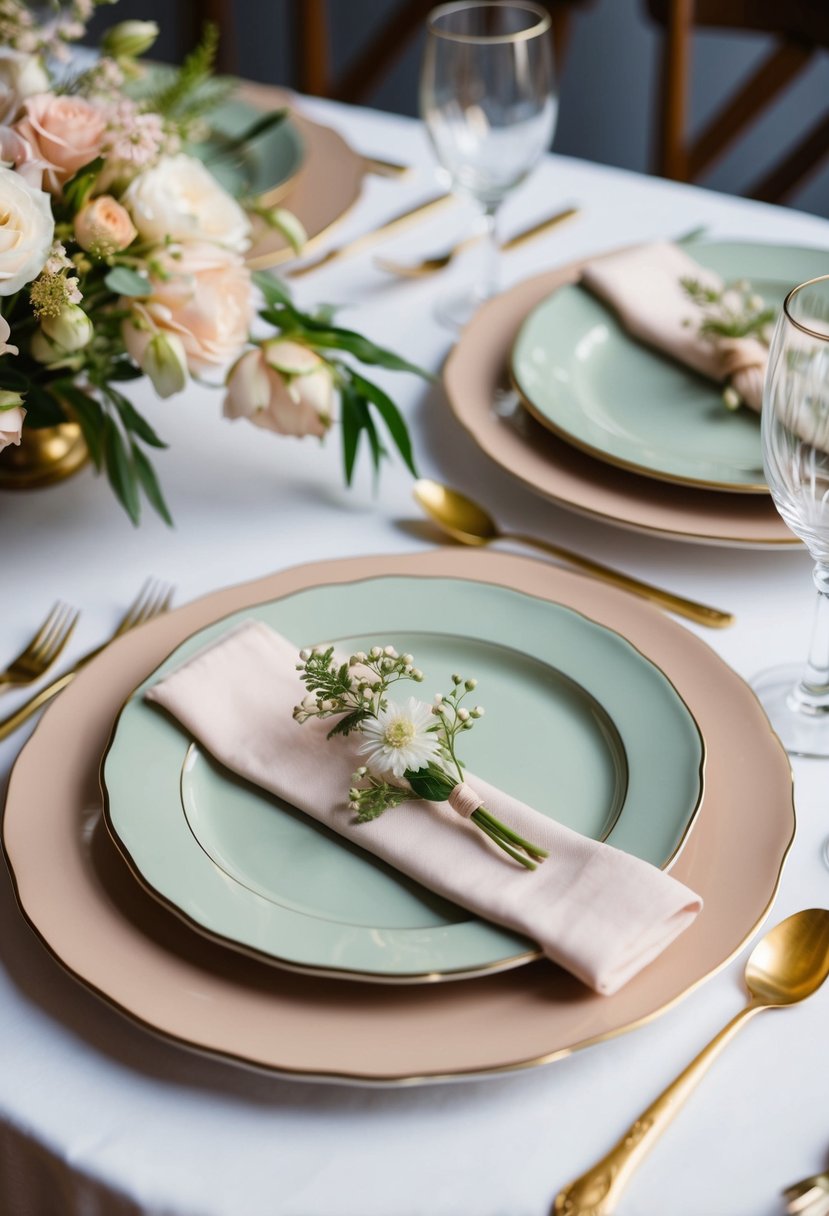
<point>473,377</point>
<point>75,892</point>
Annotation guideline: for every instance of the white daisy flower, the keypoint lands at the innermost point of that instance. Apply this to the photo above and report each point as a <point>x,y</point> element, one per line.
<point>399,738</point>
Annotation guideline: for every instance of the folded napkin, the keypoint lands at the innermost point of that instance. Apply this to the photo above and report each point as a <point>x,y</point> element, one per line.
<point>598,912</point>
<point>643,287</point>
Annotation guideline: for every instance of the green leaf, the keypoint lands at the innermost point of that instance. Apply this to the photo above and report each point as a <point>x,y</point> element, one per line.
<point>120,471</point>
<point>123,370</point>
<point>77,190</point>
<point>132,420</point>
<point>333,338</point>
<point>430,783</point>
<point>349,723</point>
<point>352,426</point>
<point>149,484</point>
<point>125,282</point>
<point>43,409</point>
<point>89,416</point>
<point>391,416</point>
<point>12,379</point>
<point>273,289</point>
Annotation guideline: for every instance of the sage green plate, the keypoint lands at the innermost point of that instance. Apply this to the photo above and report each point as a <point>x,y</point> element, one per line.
<point>579,724</point>
<point>582,376</point>
<point>266,166</point>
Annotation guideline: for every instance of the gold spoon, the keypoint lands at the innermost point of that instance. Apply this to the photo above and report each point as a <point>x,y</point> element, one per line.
<point>427,266</point>
<point>470,524</point>
<point>786,966</point>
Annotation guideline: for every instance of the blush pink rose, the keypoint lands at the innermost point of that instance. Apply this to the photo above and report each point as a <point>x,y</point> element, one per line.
<point>65,132</point>
<point>205,300</point>
<point>283,387</point>
<point>103,226</point>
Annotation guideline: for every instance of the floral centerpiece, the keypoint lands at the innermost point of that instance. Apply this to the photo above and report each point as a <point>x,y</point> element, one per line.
<point>122,256</point>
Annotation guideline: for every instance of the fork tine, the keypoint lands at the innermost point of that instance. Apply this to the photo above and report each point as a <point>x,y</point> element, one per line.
<point>45,640</point>
<point>45,628</point>
<point>60,637</point>
<point>153,598</point>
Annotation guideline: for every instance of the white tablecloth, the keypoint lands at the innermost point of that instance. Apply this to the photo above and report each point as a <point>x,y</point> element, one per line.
<point>97,1116</point>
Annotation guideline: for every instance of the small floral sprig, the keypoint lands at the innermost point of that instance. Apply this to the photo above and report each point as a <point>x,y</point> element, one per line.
<point>411,747</point>
<point>732,311</point>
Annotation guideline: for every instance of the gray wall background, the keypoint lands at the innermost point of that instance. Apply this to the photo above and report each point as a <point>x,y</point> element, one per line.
<point>608,87</point>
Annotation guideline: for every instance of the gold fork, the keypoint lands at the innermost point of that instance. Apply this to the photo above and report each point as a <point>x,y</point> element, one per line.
<point>154,598</point>
<point>45,647</point>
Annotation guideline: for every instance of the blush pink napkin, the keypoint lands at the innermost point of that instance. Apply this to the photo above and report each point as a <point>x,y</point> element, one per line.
<point>643,287</point>
<point>598,912</point>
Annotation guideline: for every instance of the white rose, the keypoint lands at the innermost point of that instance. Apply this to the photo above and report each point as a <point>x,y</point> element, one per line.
<point>179,199</point>
<point>26,231</point>
<point>20,76</point>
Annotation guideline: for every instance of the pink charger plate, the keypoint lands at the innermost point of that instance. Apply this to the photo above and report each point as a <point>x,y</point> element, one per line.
<point>102,927</point>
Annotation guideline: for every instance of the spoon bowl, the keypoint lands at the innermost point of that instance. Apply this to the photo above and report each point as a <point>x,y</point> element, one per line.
<point>791,962</point>
<point>470,524</point>
<point>786,966</point>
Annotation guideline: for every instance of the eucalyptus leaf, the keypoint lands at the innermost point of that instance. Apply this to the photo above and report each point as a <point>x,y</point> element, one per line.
<point>125,282</point>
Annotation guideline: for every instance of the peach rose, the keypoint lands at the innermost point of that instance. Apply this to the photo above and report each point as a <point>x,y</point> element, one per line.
<point>283,387</point>
<point>205,300</point>
<point>103,226</point>
<point>66,133</point>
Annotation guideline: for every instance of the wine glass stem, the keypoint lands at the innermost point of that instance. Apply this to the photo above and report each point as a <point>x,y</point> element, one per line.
<point>811,695</point>
<point>491,253</point>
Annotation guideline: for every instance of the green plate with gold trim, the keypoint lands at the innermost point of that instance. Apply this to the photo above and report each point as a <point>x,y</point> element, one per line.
<point>579,724</point>
<point>581,375</point>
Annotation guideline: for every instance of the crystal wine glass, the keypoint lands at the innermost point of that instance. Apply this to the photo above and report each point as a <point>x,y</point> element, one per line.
<point>795,435</point>
<point>486,95</point>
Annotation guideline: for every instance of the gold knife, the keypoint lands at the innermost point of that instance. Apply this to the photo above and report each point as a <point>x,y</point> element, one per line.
<point>361,242</point>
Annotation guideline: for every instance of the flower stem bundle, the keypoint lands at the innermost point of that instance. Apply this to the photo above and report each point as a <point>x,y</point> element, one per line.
<point>410,747</point>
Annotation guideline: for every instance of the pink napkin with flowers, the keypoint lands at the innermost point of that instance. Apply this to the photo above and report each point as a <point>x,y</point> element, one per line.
<point>643,287</point>
<point>598,912</point>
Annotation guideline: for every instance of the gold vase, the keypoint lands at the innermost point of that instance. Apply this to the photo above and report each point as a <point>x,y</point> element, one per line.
<point>44,456</point>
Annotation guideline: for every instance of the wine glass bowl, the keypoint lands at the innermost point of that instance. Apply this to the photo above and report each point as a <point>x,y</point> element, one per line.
<point>795,440</point>
<point>487,99</point>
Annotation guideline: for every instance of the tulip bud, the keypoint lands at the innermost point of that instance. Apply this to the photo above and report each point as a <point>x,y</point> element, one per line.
<point>165,362</point>
<point>70,330</point>
<point>129,38</point>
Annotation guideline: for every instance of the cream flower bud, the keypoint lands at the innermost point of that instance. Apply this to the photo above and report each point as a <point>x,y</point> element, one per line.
<point>71,329</point>
<point>165,362</point>
<point>463,714</point>
<point>731,399</point>
<point>129,38</point>
<point>470,684</point>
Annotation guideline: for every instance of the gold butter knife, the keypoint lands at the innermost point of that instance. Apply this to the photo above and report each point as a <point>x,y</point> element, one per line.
<point>367,238</point>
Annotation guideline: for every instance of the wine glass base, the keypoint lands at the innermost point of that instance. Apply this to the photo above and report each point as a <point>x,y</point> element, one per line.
<point>801,732</point>
<point>456,309</point>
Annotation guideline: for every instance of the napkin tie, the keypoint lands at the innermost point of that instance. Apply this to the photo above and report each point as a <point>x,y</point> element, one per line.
<point>465,801</point>
<point>593,909</point>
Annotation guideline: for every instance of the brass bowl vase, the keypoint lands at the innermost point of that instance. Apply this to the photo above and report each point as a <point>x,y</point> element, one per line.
<point>44,456</point>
